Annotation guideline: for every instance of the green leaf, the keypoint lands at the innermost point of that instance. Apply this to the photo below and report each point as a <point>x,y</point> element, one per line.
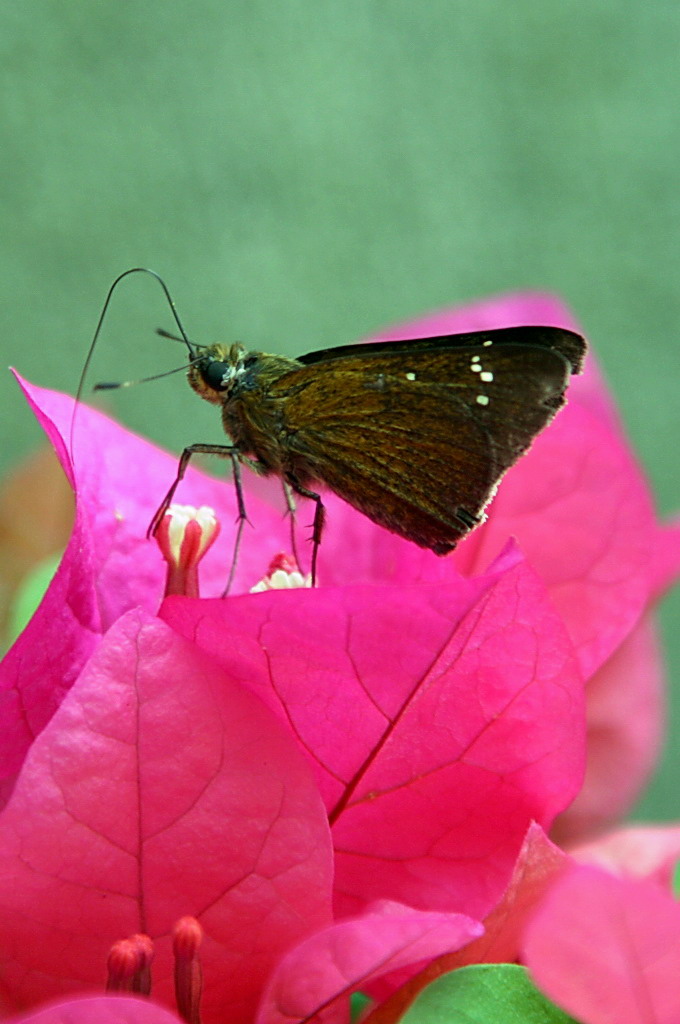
<point>484,994</point>
<point>358,1004</point>
<point>676,880</point>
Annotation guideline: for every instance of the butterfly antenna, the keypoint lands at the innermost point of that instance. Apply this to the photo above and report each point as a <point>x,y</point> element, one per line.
<point>175,337</point>
<point>106,385</point>
<point>90,352</point>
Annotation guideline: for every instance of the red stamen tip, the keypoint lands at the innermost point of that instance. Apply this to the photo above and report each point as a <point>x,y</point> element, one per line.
<point>187,936</point>
<point>129,965</point>
<point>144,948</point>
<point>283,561</point>
<point>283,574</point>
<point>121,965</point>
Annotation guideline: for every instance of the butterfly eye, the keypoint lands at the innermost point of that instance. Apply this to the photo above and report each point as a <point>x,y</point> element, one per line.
<point>216,374</point>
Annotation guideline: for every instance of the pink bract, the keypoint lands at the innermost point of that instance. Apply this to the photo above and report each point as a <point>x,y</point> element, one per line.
<point>607,950</point>
<point>159,788</point>
<point>439,721</point>
<point>636,851</point>
<point>187,758</point>
<point>99,1010</point>
<point>315,980</point>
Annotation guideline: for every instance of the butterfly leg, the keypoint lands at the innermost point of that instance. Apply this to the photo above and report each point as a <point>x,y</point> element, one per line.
<point>241,518</point>
<point>319,518</point>
<point>291,509</point>
<point>226,451</point>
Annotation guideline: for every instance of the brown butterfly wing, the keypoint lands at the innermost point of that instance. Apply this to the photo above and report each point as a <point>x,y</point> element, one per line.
<point>418,441</point>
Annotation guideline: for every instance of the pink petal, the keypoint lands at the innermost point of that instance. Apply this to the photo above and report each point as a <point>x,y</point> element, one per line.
<point>121,481</point>
<point>639,851</point>
<point>160,788</point>
<point>538,864</point>
<point>355,550</point>
<point>43,663</point>
<point>666,567</point>
<point>582,514</point>
<point>490,740</point>
<point>108,567</point>
<point>45,660</point>
<point>336,664</point>
<point>625,702</point>
<point>607,950</point>
<point>511,310</point>
<point>439,720</point>
<point>317,977</point>
<point>99,1010</point>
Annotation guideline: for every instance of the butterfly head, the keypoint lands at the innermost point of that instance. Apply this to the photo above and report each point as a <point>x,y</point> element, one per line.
<point>218,370</point>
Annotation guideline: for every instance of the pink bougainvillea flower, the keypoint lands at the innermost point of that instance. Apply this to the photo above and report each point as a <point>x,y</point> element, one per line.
<point>449,753</point>
<point>162,785</point>
<point>429,719</point>
<point>133,778</point>
<point>607,949</point>
<point>577,503</point>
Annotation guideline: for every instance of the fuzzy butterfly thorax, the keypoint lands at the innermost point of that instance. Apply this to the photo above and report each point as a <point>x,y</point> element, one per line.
<point>240,381</point>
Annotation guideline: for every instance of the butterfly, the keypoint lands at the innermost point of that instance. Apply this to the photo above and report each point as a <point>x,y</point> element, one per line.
<point>415,434</point>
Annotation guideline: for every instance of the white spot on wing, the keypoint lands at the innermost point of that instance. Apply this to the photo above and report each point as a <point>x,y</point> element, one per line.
<point>410,376</point>
<point>486,376</point>
<point>483,399</point>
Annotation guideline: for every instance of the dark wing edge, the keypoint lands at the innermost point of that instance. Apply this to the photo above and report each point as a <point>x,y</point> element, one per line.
<point>570,345</point>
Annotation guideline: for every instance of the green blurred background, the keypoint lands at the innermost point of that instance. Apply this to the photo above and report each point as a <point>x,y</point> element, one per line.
<point>303,172</point>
